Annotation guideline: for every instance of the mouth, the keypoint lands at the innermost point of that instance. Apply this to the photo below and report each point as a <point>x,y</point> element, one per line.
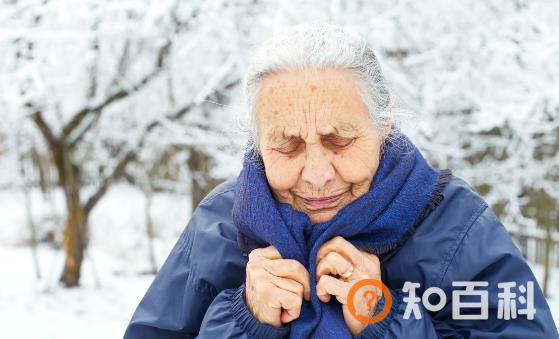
<point>322,203</point>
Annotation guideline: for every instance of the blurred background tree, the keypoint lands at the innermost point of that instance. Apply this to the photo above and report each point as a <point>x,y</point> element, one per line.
<point>97,92</point>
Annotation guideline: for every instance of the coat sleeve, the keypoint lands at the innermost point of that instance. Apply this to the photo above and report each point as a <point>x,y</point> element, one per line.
<point>171,306</point>
<point>484,252</point>
<point>198,292</point>
<point>229,317</point>
<point>174,308</point>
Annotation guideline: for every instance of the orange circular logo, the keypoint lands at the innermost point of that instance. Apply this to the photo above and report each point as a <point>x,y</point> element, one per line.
<point>369,282</point>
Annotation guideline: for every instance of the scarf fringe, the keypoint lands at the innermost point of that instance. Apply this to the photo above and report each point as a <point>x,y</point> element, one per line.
<point>436,198</point>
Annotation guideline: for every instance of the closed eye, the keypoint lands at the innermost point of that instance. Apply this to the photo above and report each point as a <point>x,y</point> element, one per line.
<point>336,141</point>
<point>291,146</point>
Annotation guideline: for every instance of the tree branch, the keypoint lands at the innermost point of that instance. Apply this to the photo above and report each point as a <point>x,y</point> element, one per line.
<point>131,155</point>
<point>72,143</point>
<point>44,128</point>
<point>123,93</point>
<point>118,95</point>
<point>115,175</point>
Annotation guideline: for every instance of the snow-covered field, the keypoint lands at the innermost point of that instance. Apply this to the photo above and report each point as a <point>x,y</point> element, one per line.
<point>100,308</point>
<point>112,282</point>
<point>113,274</point>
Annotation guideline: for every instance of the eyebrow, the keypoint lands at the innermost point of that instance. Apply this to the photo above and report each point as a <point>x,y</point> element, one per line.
<point>272,135</point>
<point>345,127</point>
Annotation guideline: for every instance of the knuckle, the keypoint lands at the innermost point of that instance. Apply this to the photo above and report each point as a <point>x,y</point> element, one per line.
<point>253,254</point>
<point>320,266</point>
<point>269,266</point>
<point>290,267</point>
<point>257,275</point>
<point>372,261</point>
<point>333,257</point>
<point>323,267</point>
<point>338,240</point>
<point>252,271</point>
<point>323,280</point>
<point>251,265</point>
<point>298,268</point>
<point>271,250</point>
<point>294,301</point>
<point>341,299</point>
<point>299,289</point>
<point>298,302</point>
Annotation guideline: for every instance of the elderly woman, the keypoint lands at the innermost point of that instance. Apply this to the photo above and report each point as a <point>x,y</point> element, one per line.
<point>330,194</point>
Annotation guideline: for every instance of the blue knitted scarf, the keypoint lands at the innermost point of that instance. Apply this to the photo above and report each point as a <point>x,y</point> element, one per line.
<point>404,189</point>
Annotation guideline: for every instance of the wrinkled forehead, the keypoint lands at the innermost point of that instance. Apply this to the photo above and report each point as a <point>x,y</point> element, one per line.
<point>329,101</point>
<point>297,86</point>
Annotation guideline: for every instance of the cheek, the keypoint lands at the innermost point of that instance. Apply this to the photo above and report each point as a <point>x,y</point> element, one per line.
<point>357,165</point>
<point>282,174</point>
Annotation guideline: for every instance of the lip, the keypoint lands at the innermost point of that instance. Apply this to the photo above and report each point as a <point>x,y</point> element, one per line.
<point>322,203</point>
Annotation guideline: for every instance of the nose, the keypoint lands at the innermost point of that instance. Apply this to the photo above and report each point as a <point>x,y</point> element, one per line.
<point>318,170</point>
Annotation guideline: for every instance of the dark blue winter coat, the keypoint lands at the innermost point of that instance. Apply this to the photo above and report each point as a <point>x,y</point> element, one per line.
<point>198,292</point>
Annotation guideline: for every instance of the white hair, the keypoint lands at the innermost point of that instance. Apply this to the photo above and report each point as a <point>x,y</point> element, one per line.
<point>317,47</point>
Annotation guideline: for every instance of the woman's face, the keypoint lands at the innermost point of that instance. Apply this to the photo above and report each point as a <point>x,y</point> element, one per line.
<point>319,146</point>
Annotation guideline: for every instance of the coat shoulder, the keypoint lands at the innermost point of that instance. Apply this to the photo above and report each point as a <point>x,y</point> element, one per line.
<point>437,237</point>
<point>216,262</point>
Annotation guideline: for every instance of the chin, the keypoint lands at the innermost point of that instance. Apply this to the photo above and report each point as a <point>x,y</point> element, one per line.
<point>320,217</point>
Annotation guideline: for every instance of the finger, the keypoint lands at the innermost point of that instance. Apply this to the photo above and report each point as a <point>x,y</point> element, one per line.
<point>342,246</point>
<point>328,285</point>
<point>270,252</point>
<point>332,263</point>
<point>289,301</point>
<point>287,317</point>
<point>288,285</point>
<point>292,269</point>
<point>367,300</point>
<point>370,265</point>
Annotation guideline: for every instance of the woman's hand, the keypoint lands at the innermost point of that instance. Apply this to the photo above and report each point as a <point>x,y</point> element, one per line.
<point>275,287</point>
<point>336,257</point>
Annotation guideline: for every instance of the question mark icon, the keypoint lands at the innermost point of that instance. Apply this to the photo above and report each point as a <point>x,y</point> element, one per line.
<point>379,290</point>
<point>369,296</point>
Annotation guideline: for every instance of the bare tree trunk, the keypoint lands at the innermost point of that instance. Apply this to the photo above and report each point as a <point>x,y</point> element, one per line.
<point>32,232</point>
<point>202,182</point>
<point>546,216</point>
<point>61,146</point>
<point>74,243</point>
<point>150,231</point>
<point>29,217</point>
<point>75,233</point>
<point>547,259</point>
<point>42,168</point>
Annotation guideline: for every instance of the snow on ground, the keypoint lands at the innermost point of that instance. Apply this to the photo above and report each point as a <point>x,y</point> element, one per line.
<point>43,309</point>
<point>112,282</point>
<point>113,279</point>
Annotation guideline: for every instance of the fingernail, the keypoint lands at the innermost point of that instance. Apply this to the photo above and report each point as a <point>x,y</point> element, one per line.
<point>320,293</point>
